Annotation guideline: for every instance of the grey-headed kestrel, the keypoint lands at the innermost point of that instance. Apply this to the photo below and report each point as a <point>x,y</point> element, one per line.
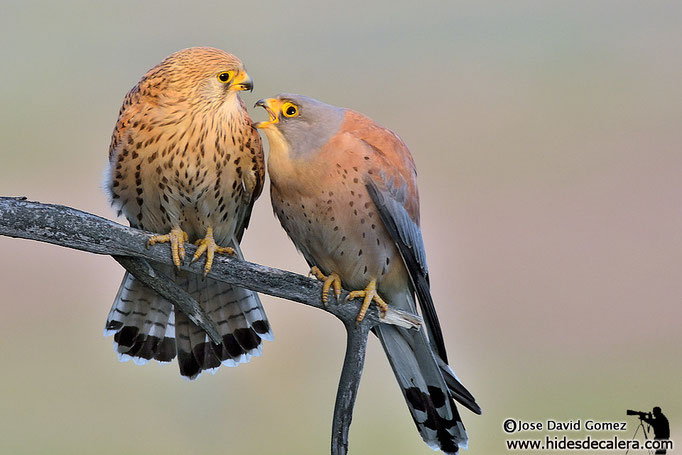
<point>186,162</point>
<point>345,191</point>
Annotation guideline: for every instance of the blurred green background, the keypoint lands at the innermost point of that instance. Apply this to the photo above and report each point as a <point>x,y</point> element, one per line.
<point>548,141</point>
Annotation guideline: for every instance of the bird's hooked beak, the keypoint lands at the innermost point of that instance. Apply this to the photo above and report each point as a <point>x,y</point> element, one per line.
<point>241,82</point>
<point>272,106</point>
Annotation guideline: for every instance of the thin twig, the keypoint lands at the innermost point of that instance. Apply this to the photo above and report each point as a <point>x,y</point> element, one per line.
<point>68,227</point>
<point>167,288</point>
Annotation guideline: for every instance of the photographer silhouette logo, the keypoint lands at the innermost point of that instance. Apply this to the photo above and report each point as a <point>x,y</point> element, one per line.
<point>655,420</point>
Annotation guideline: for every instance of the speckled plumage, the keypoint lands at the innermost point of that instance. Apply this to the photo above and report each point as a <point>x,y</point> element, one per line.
<point>351,206</point>
<point>184,154</point>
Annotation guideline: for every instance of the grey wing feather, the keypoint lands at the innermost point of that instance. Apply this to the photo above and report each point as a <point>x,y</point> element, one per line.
<point>390,203</point>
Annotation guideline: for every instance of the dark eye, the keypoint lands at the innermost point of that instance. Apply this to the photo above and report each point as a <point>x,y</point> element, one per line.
<point>225,76</point>
<point>290,110</point>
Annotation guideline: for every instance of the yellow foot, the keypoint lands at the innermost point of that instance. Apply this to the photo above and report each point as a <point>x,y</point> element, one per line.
<point>177,238</point>
<point>370,295</point>
<point>332,280</point>
<point>208,245</point>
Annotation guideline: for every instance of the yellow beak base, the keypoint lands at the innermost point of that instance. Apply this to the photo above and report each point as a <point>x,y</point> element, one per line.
<point>241,82</point>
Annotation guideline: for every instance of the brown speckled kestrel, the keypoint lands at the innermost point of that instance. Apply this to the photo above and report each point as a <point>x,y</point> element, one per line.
<point>186,162</point>
<point>345,190</point>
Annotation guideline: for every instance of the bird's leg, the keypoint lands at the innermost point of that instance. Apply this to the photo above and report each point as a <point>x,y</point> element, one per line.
<point>370,295</point>
<point>177,238</point>
<point>332,280</point>
<point>208,245</point>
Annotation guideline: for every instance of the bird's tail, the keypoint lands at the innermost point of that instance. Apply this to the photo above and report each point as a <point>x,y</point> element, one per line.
<point>142,322</point>
<point>426,384</point>
<point>145,325</point>
<point>427,395</point>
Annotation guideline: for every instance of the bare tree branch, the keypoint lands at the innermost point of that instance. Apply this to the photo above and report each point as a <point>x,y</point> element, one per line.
<point>71,228</point>
<point>353,363</point>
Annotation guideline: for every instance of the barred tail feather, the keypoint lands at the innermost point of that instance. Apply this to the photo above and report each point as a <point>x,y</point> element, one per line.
<point>229,307</point>
<point>146,326</point>
<point>427,395</point>
<point>428,398</point>
<point>141,324</point>
<point>251,307</point>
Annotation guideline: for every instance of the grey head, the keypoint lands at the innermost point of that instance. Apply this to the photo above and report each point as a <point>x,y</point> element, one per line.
<point>305,123</point>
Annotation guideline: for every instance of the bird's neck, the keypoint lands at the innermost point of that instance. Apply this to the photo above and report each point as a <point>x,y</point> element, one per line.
<point>280,166</point>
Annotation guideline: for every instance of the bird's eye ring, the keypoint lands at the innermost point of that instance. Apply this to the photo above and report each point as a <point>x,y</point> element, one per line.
<point>225,76</point>
<point>290,110</point>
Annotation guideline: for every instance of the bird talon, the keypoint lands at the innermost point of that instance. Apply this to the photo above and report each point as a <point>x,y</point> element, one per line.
<point>202,247</point>
<point>369,295</point>
<point>331,281</point>
<point>207,245</point>
<point>224,250</point>
<point>177,238</point>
